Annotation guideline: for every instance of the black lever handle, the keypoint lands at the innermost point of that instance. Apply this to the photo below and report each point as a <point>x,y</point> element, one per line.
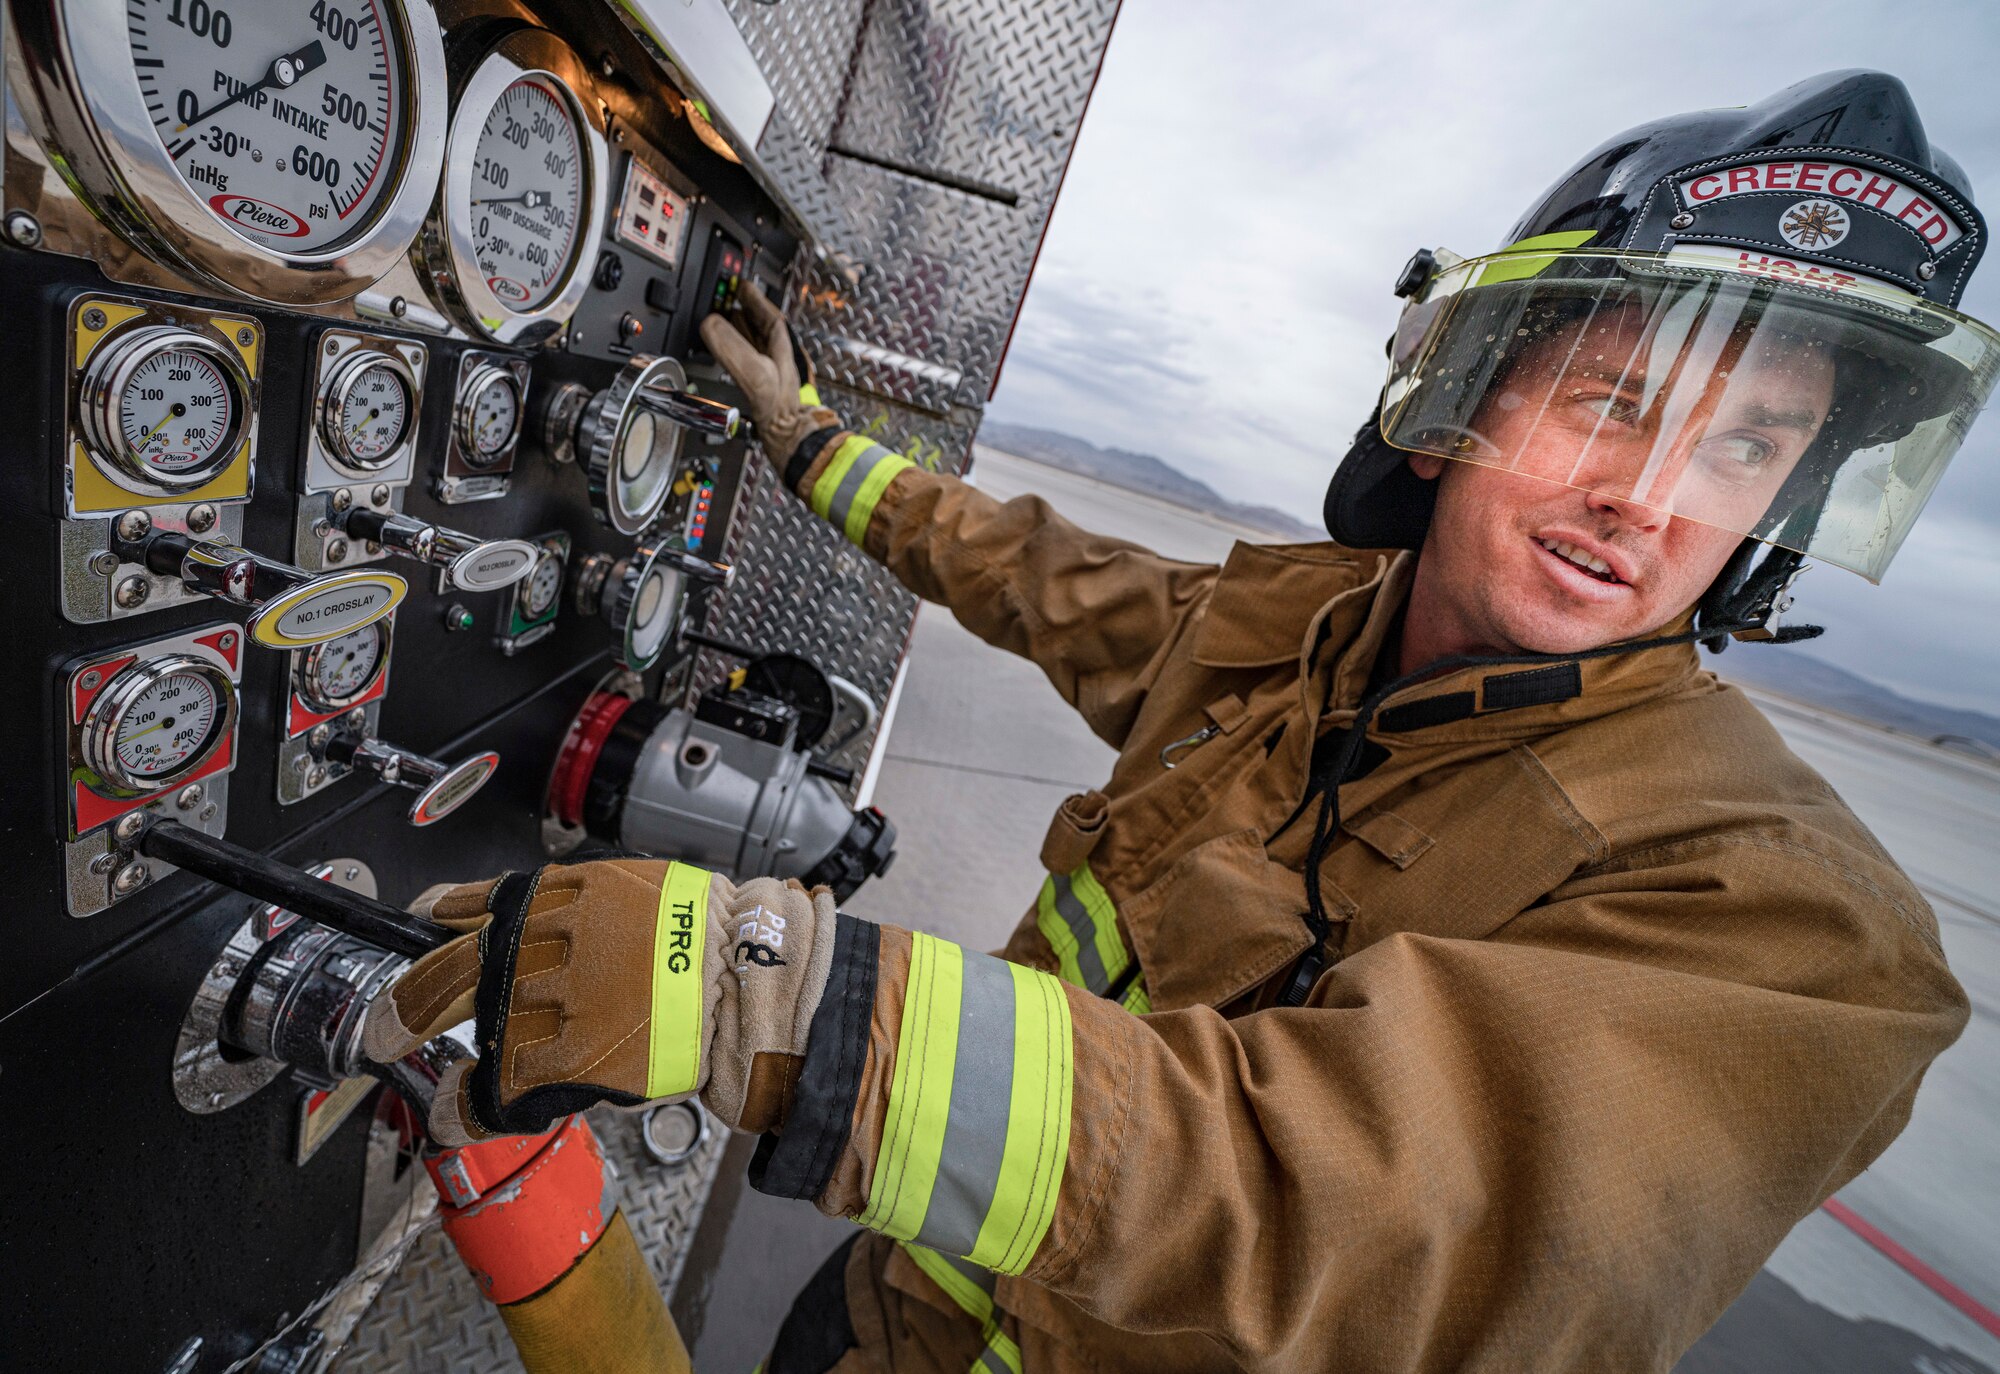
<point>250,873</point>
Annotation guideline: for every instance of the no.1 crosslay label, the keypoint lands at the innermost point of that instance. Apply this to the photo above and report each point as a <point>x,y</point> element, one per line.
<point>326,608</point>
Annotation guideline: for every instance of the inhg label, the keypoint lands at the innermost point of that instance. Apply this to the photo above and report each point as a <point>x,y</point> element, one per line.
<point>324,609</point>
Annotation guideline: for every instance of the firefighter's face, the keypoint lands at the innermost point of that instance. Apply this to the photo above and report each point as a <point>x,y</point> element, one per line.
<point>1543,557</point>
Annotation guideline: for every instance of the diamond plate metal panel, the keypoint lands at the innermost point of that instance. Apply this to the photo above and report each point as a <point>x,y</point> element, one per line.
<point>431,1318</point>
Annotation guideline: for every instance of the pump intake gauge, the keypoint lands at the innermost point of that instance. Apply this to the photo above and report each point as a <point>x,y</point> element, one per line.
<point>164,409</point>
<point>157,722</point>
<point>628,436</point>
<point>517,224</point>
<point>365,408</point>
<point>642,596</point>
<point>285,151</point>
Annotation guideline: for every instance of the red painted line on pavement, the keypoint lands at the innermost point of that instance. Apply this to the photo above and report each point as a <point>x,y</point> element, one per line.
<point>1911,1265</point>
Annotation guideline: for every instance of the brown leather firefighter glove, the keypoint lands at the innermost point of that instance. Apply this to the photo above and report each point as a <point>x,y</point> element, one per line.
<point>620,980</point>
<point>776,379</point>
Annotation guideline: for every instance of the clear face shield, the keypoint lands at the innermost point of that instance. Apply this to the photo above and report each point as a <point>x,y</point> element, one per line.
<point>1813,418</point>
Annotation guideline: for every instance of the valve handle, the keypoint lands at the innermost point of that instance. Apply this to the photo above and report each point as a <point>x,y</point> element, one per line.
<point>470,564</point>
<point>441,787</point>
<point>292,607</point>
<point>698,413</point>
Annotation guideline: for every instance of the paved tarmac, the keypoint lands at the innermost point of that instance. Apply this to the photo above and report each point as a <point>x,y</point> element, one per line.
<point>982,750</point>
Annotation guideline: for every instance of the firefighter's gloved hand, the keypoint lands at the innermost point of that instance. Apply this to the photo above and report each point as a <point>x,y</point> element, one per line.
<point>774,375</point>
<point>623,981</point>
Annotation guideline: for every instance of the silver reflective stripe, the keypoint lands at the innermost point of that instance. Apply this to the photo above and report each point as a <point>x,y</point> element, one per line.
<point>1070,907</point>
<point>990,1361</point>
<point>850,485</point>
<point>985,1280</point>
<point>982,1087</point>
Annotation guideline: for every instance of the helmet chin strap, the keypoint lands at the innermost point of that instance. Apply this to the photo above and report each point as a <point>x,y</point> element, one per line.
<point>1747,597</point>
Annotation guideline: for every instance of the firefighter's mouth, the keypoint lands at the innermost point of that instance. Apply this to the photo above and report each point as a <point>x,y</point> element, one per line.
<point>1585,562</point>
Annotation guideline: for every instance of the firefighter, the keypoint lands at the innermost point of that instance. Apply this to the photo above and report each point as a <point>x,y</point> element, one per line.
<point>1451,975</point>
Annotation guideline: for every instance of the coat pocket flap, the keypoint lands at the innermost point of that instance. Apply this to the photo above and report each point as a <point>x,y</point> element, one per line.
<point>1389,835</point>
<point>1223,919</point>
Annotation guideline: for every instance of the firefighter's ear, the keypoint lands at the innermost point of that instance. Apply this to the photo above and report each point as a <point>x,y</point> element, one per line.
<point>1427,466</point>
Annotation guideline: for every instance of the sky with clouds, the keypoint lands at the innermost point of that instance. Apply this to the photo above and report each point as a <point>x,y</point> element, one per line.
<point>1250,178</point>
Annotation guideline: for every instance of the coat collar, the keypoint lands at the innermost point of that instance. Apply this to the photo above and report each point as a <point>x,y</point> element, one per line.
<point>1269,597</point>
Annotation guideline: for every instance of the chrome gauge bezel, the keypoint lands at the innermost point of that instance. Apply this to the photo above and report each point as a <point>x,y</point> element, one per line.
<point>548,558</point>
<point>332,400</point>
<point>630,507</point>
<point>103,385</point>
<point>305,676</point>
<point>98,128</point>
<point>464,411</point>
<point>625,596</point>
<point>99,731</point>
<point>453,258</point>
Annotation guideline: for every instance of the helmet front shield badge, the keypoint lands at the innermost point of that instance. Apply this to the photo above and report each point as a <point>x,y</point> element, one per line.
<point>1812,414</point>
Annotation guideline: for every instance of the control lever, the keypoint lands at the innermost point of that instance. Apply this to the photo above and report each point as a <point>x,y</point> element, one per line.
<point>441,787</point>
<point>628,436</point>
<point>641,596</point>
<point>292,608</point>
<point>469,563</point>
<point>281,885</point>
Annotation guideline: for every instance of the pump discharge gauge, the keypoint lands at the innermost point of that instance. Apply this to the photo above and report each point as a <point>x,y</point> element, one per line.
<point>628,436</point>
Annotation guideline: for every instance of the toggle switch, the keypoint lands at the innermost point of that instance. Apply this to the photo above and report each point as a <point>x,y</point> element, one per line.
<point>441,787</point>
<point>291,608</point>
<point>470,564</point>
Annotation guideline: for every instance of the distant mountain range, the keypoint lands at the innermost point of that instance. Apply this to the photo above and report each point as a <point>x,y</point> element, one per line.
<point>1140,472</point>
<point>1813,680</point>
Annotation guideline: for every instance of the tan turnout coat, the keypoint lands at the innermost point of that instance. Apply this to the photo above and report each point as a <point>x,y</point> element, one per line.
<point>1620,989</point>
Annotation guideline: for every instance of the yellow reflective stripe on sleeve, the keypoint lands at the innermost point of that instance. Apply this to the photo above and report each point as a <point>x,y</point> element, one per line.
<point>919,1090</point>
<point>1079,920</point>
<point>850,488</point>
<point>1024,1202</point>
<point>809,395</point>
<point>673,1059</point>
<point>972,1289</point>
<point>1136,1001</point>
<point>977,1130</point>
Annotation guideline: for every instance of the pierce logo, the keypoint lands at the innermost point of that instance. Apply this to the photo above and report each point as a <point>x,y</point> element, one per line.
<point>1813,224</point>
<point>1837,182</point>
<point>507,289</point>
<point>259,215</point>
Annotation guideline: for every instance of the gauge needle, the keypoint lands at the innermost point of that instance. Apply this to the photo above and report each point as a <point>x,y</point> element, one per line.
<point>534,200</point>
<point>283,71</point>
<point>362,421</point>
<point>178,409</point>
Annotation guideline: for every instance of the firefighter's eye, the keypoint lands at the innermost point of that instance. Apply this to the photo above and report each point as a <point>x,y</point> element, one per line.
<point>1737,454</point>
<point>1614,409</point>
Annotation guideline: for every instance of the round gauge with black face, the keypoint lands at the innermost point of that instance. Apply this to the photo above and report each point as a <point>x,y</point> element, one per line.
<point>286,120</point>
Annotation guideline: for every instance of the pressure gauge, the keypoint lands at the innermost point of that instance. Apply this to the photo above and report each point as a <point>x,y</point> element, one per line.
<point>489,415</point>
<point>333,675</point>
<point>287,151</point>
<point>366,407</point>
<point>158,721</point>
<point>164,409</point>
<point>514,233</point>
<point>544,584</point>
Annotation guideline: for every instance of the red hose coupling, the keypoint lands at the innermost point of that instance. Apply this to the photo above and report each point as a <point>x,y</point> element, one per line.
<point>522,1210</point>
